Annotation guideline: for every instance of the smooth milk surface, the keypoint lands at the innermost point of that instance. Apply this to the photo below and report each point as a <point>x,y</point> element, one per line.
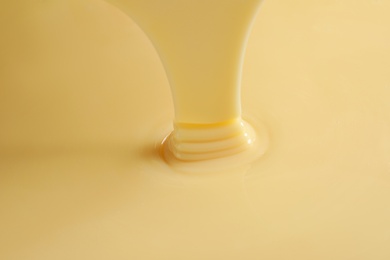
<point>85,101</point>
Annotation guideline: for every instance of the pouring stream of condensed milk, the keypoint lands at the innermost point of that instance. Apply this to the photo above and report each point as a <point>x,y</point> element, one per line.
<point>205,75</point>
<point>84,102</point>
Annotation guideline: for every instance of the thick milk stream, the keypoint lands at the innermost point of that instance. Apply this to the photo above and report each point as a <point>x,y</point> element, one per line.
<point>201,44</point>
<point>85,103</point>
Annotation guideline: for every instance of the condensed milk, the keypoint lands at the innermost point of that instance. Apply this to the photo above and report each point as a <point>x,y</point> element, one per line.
<point>85,104</point>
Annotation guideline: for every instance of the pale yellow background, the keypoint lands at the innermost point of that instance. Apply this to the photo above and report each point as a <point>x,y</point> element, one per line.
<point>84,99</point>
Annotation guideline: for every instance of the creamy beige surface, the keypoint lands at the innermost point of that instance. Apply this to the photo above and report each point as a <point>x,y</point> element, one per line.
<point>84,100</point>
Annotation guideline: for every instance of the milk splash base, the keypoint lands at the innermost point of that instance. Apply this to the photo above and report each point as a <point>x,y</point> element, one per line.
<point>200,148</point>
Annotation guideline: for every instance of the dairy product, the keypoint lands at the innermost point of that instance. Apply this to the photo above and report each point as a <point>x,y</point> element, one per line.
<point>85,102</point>
<point>205,75</point>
